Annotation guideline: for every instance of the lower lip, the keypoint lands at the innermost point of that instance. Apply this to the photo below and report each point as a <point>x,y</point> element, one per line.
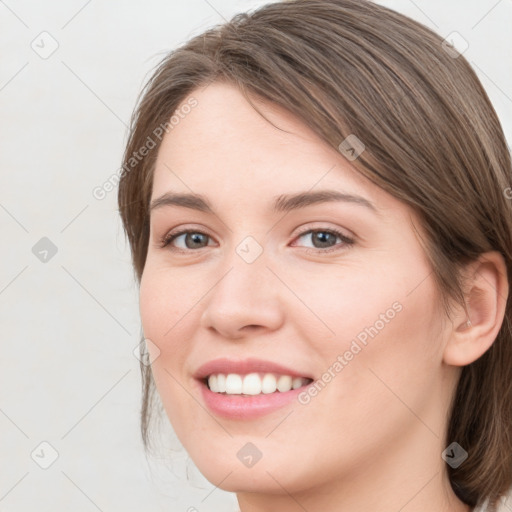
<point>247,406</point>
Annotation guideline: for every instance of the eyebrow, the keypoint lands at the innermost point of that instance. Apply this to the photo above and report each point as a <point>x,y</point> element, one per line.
<point>282,203</point>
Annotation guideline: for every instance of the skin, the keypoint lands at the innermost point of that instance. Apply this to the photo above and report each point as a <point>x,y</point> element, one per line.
<point>372,438</point>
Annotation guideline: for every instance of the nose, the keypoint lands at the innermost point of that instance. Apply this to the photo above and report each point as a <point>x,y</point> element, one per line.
<point>244,300</point>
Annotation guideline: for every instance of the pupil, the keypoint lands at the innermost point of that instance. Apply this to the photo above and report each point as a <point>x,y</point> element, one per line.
<point>323,236</point>
<point>196,238</point>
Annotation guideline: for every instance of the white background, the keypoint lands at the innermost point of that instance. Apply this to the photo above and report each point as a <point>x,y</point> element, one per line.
<point>69,326</point>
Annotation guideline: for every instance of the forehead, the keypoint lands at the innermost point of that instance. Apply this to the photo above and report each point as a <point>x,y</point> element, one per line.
<point>224,149</point>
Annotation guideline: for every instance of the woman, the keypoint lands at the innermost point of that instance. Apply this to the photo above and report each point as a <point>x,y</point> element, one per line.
<point>315,197</point>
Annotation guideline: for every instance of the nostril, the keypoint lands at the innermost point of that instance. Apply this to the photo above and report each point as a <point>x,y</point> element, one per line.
<point>252,327</point>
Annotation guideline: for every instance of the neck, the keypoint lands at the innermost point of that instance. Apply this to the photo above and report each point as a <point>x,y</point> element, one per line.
<point>425,497</point>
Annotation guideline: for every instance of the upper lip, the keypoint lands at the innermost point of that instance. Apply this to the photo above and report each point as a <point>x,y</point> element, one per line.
<point>244,366</point>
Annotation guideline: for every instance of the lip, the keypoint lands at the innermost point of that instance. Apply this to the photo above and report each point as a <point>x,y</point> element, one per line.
<point>245,366</point>
<point>245,407</point>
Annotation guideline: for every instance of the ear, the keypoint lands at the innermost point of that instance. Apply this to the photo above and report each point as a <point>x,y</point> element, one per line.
<point>475,328</point>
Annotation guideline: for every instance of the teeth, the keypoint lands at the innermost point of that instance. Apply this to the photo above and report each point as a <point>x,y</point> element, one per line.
<point>269,383</point>
<point>213,383</point>
<point>284,383</point>
<point>254,383</point>
<point>221,383</point>
<point>251,384</point>
<point>234,384</point>
<point>297,382</point>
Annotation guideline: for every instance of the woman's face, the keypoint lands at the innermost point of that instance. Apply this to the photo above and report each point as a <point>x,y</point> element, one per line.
<point>265,277</point>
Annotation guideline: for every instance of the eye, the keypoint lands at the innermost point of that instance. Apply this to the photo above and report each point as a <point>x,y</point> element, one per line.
<point>324,240</point>
<point>191,239</point>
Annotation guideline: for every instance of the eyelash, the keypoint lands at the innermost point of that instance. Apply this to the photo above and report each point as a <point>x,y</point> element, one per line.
<point>166,240</point>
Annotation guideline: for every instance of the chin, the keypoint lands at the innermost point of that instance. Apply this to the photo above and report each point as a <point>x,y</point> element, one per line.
<point>223,468</point>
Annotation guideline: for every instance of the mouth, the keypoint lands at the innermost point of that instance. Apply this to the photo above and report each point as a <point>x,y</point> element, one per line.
<point>248,389</point>
<point>253,384</point>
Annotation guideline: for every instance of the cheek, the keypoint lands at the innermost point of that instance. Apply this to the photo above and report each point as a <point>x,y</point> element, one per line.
<point>166,316</point>
<point>383,329</point>
<point>166,324</point>
<point>395,352</point>
<point>394,372</point>
<point>164,302</point>
<point>339,305</point>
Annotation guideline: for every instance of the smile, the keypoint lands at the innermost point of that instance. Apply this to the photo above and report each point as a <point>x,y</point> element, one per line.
<point>250,388</point>
<point>254,383</point>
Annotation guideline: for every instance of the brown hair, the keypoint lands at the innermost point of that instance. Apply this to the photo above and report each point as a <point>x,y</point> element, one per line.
<point>432,138</point>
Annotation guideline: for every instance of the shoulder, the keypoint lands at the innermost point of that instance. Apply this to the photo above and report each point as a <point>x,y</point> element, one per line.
<point>503,505</point>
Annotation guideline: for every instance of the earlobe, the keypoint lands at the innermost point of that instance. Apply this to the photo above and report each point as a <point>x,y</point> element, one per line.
<point>475,328</point>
